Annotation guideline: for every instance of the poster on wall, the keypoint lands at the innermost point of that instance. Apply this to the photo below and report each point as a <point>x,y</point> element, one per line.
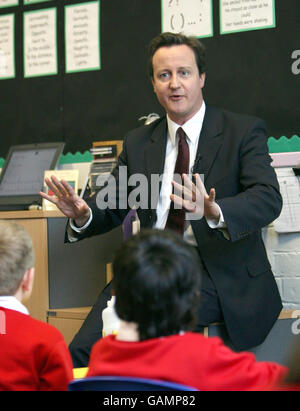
<point>70,176</point>
<point>8,3</point>
<point>82,37</point>
<point>7,53</point>
<point>192,17</point>
<point>245,15</point>
<point>40,48</point>
<point>34,1</point>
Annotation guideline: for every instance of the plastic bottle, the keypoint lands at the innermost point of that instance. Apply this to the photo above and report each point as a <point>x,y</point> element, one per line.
<point>111,321</point>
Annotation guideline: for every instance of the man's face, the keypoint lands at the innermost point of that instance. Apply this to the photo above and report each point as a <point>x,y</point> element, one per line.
<point>176,82</point>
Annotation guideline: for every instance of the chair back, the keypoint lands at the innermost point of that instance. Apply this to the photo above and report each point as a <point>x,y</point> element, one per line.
<point>112,383</point>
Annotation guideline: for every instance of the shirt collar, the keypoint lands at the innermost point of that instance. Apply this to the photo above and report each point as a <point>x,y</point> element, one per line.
<point>192,127</point>
<point>12,303</point>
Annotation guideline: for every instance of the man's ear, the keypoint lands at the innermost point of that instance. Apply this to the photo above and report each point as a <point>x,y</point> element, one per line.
<point>153,84</point>
<point>202,79</point>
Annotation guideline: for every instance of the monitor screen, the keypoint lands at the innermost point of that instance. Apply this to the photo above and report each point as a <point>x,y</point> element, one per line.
<point>22,175</point>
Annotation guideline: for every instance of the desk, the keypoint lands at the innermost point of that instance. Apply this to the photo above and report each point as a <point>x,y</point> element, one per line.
<point>68,320</point>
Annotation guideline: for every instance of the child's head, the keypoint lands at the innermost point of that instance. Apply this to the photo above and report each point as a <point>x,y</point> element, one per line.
<point>157,283</point>
<point>16,259</point>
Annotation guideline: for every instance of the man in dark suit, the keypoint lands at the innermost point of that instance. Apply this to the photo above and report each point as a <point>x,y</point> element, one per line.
<point>240,195</point>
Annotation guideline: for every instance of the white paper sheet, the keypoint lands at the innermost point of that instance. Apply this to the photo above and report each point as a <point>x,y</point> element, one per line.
<point>242,15</point>
<point>8,3</point>
<point>40,49</point>
<point>7,53</point>
<point>289,219</point>
<point>82,42</point>
<point>33,1</point>
<point>192,17</point>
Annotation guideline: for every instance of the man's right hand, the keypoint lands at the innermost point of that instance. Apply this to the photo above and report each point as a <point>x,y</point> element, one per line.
<point>68,202</point>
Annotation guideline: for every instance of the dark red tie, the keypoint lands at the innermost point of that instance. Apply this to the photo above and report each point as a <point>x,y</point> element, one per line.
<point>176,217</point>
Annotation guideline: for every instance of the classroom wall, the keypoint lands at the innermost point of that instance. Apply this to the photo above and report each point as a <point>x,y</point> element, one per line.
<point>284,255</point>
<point>252,72</point>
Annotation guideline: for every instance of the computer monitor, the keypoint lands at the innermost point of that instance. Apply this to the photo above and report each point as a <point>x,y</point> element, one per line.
<point>22,175</point>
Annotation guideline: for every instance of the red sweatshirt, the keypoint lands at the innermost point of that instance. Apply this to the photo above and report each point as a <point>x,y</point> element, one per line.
<point>33,354</point>
<point>189,358</point>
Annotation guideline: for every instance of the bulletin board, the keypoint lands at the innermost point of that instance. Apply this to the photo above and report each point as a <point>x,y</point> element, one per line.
<point>252,71</point>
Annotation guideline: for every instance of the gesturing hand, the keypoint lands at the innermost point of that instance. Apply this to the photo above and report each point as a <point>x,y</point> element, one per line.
<point>195,199</point>
<point>65,198</point>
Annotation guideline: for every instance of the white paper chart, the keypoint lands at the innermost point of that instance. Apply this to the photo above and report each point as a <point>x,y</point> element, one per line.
<point>8,3</point>
<point>7,52</point>
<point>40,49</point>
<point>33,1</point>
<point>82,43</point>
<point>289,219</point>
<point>242,15</point>
<point>192,17</point>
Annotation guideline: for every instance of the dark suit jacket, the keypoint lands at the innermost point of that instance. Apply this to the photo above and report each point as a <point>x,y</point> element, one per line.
<point>233,156</point>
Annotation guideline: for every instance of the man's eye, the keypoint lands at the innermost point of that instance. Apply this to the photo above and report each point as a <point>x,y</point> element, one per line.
<point>164,75</point>
<point>184,73</point>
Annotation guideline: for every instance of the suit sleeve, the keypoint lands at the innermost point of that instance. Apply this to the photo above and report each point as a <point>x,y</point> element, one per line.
<point>258,202</point>
<point>109,204</point>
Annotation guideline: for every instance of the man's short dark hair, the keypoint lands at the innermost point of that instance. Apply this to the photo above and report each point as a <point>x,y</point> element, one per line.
<point>157,282</point>
<point>168,39</point>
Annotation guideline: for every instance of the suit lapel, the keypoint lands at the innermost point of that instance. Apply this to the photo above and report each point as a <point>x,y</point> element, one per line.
<point>210,141</point>
<point>155,150</point>
<point>155,153</point>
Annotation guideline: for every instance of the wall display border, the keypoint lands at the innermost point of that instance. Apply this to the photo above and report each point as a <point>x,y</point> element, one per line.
<point>282,145</point>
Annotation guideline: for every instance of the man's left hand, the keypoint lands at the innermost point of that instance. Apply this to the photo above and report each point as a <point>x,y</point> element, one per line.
<point>195,198</point>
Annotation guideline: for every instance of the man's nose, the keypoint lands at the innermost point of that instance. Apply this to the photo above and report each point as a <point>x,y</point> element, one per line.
<point>174,81</point>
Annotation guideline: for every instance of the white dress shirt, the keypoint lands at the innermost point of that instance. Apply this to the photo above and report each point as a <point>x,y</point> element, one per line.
<point>192,129</point>
<point>12,303</point>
